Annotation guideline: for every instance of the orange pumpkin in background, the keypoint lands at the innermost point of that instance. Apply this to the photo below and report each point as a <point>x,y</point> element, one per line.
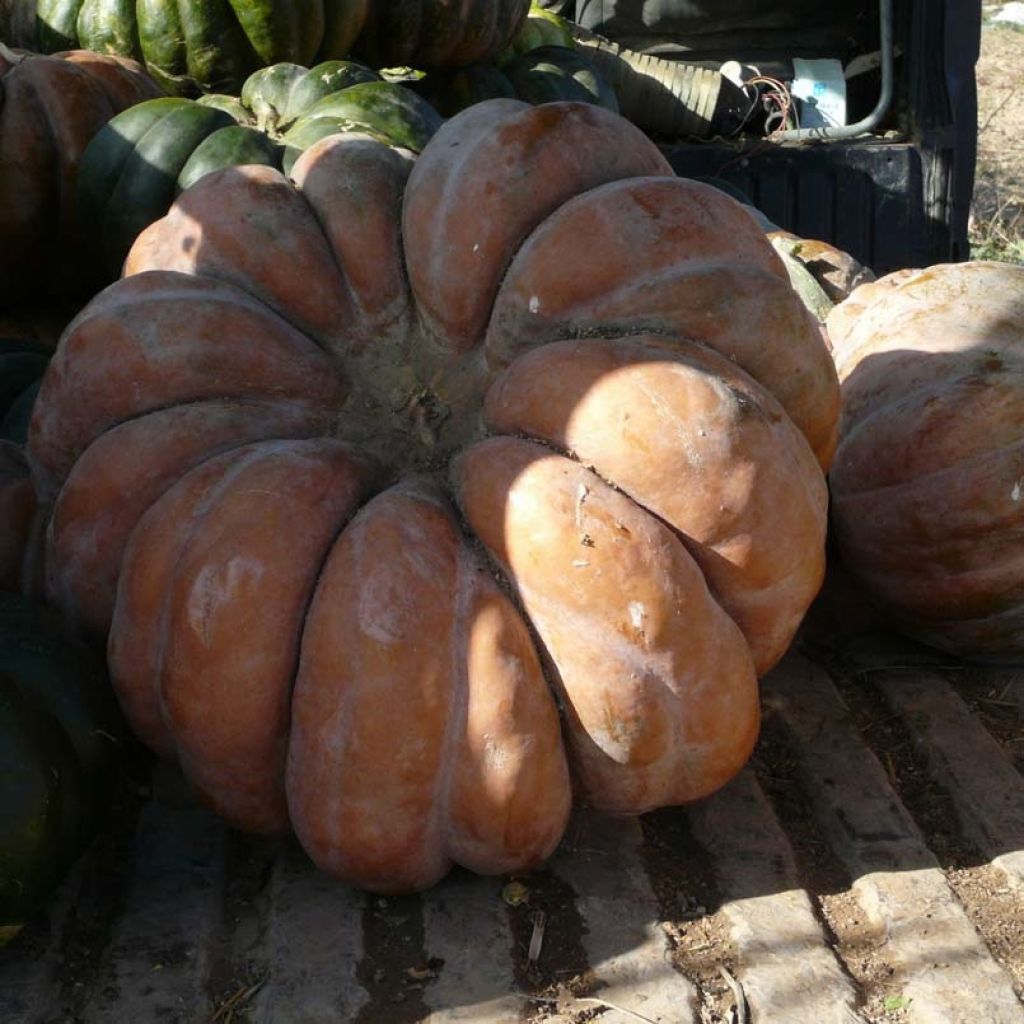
<point>928,482</point>
<point>385,479</point>
<point>51,107</point>
<point>437,34</point>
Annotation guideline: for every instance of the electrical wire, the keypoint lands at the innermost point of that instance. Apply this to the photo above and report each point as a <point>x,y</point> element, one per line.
<point>777,103</point>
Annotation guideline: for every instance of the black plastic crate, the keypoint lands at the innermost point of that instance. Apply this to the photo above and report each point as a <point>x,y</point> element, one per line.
<point>899,197</point>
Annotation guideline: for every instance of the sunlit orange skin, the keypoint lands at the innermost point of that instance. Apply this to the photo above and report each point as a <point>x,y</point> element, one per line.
<point>690,437</point>
<point>458,765</point>
<point>659,688</point>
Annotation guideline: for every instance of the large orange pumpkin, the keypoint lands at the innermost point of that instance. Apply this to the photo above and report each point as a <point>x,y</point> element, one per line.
<point>928,483</point>
<point>372,474</point>
<point>50,107</point>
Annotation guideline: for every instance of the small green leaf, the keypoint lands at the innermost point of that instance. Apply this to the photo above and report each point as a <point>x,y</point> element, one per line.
<point>515,893</point>
<point>897,1002</point>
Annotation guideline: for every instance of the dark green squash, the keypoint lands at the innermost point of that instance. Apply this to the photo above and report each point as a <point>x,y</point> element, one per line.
<point>456,90</point>
<point>541,28</point>
<point>550,74</point>
<point>546,74</point>
<point>135,167</point>
<point>232,146</point>
<point>278,95</point>
<point>130,170</point>
<point>389,111</point>
<point>231,105</point>
<point>435,34</point>
<point>59,729</point>
<point>540,65</point>
<point>192,46</point>
<point>22,363</point>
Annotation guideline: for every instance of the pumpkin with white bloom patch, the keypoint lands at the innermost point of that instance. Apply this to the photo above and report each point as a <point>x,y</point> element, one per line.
<point>441,484</point>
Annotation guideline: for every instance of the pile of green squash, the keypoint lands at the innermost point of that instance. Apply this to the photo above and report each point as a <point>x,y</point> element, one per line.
<point>540,65</point>
<point>59,736</point>
<point>143,158</point>
<point>59,723</point>
<point>194,46</point>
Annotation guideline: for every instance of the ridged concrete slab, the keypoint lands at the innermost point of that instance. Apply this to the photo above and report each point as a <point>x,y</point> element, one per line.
<point>312,945</point>
<point>30,969</point>
<point>627,950</point>
<point>466,925</point>
<point>986,790</point>
<point>943,968</point>
<point>786,967</point>
<point>157,964</point>
<point>133,937</point>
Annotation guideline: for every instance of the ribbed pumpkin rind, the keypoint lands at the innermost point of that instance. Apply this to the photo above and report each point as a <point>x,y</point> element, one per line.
<point>928,484</point>
<point>590,584</point>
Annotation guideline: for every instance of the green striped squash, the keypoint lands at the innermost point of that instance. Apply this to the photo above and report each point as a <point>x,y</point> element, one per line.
<point>135,167</point>
<point>193,46</point>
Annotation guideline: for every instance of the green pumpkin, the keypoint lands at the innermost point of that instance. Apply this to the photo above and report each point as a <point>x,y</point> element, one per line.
<point>541,28</point>
<point>549,74</point>
<point>134,168</point>
<point>192,46</point>
<point>232,146</point>
<point>546,74</point>
<point>455,91</point>
<point>59,729</point>
<point>277,96</point>
<point>130,169</point>
<point>390,112</point>
<point>231,105</point>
